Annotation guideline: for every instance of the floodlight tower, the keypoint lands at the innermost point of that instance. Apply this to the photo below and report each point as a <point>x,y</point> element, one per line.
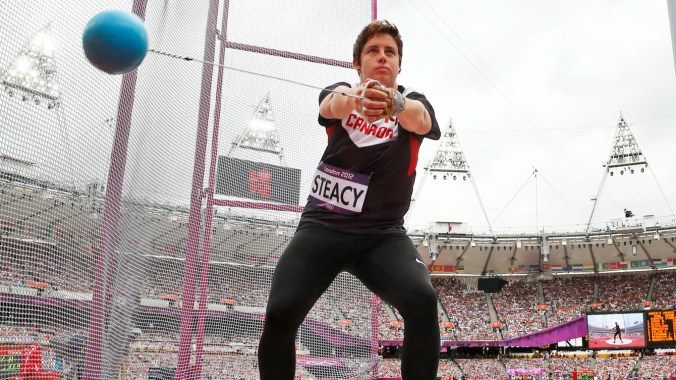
<point>32,74</point>
<point>449,159</point>
<point>32,78</point>
<point>625,157</point>
<point>449,163</point>
<point>261,133</point>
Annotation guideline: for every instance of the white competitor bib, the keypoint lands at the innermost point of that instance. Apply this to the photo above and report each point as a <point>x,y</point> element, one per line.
<point>339,190</point>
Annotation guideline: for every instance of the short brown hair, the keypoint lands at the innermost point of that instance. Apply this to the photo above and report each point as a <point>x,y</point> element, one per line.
<point>375,27</point>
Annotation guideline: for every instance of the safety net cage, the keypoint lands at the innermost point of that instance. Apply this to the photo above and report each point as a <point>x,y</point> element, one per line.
<point>142,214</point>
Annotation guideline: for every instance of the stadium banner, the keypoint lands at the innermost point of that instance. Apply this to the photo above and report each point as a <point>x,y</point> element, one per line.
<point>524,268</point>
<point>556,268</point>
<point>659,262</point>
<point>640,263</point>
<point>257,180</point>
<point>515,268</point>
<point>443,268</point>
<point>582,267</point>
<point>36,284</point>
<point>618,265</point>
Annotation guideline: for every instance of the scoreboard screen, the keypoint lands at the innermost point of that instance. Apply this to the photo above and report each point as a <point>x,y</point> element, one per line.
<point>616,330</point>
<point>660,328</point>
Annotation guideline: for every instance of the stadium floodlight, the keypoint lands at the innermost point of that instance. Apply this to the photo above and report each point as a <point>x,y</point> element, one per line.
<point>33,71</point>
<point>261,133</point>
<point>449,157</point>
<point>432,246</point>
<point>625,152</point>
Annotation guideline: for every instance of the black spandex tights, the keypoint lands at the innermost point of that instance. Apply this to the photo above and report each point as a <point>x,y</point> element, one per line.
<point>389,266</point>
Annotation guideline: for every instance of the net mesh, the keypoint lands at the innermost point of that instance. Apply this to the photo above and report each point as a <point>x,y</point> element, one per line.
<point>142,215</point>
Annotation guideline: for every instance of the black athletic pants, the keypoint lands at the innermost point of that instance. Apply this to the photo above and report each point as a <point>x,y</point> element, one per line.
<point>616,334</point>
<point>389,266</point>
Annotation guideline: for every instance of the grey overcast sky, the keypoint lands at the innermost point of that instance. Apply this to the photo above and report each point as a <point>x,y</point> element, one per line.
<point>538,84</point>
<point>528,84</point>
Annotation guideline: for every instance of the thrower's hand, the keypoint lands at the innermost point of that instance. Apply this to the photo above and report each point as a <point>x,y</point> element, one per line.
<point>374,104</point>
<point>380,101</point>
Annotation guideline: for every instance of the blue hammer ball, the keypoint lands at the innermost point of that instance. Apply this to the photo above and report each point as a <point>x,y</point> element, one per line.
<point>115,41</point>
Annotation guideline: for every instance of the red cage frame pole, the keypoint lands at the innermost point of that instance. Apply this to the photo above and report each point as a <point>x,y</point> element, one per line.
<point>375,301</point>
<point>209,193</point>
<point>105,252</point>
<point>196,197</point>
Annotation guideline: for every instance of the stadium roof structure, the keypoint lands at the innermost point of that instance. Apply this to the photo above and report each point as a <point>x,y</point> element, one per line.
<point>40,214</point>
<point>625,247</point>
<point>623,244</point>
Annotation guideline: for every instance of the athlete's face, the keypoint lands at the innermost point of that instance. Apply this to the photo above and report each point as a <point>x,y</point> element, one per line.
<point>379,60</point>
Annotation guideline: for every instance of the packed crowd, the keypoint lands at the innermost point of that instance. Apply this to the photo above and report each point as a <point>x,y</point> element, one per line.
<point>450,369</point>
<point>566,365</point>
<point>567,298</point>
<point>20,264</point>
<point>615,367</point>
<point>664,294</point>
<point>348,307</point>
<point>467,310</point>
<point>482,368</point>
<point>214,366</point>
<point>515,306</point>
<point>390,325</point>
<point>657,366</point>
<point>233,356</point>
<point>622,292</point>
<point>525,363</point>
